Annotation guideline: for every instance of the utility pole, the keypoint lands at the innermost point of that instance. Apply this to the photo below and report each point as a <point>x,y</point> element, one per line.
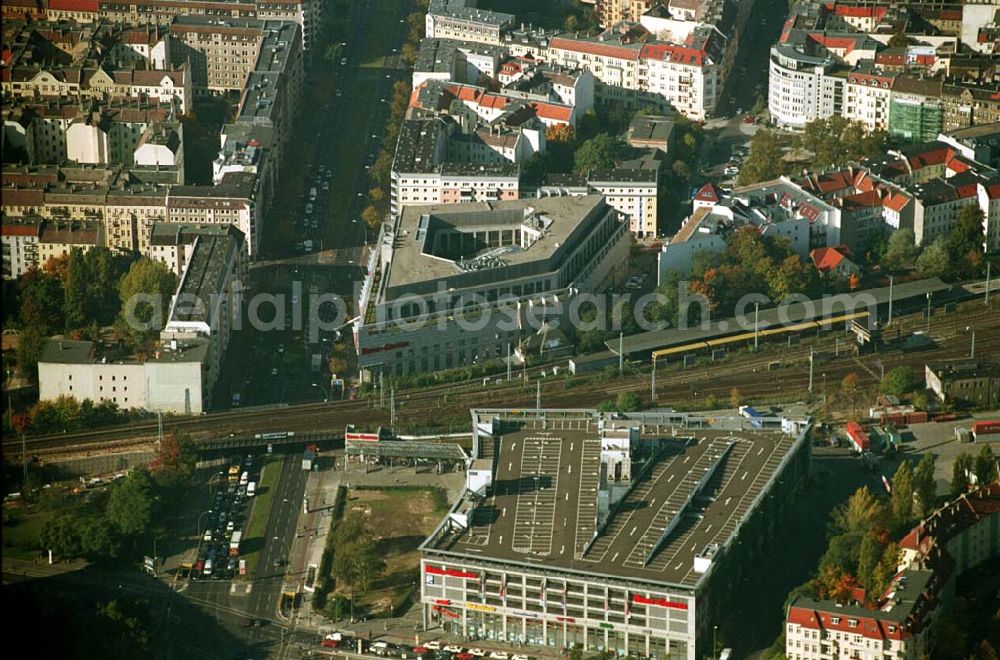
<point>538,395</point>
<point>652,384</point>
<point>508,362</point>
<point>810,371</point>
<point>621,352</point>
<point>392,408</point>
<point>381,391</point>
<point>889,322</point>
<point>159,428</point>
<point>929,294</point>
<point>756,325</point>
<point>988,264</point>
<point>972,350</point>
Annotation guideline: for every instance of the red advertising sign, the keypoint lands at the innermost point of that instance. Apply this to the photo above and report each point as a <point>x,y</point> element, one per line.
<point>452,572</point>
<point>660,602</point>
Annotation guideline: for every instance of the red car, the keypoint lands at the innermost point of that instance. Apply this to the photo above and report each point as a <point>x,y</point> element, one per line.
<point>331,641</point>
<point>749,120</point>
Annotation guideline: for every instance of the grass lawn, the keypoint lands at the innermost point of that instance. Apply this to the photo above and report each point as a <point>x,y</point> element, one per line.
<point>22,531</point>
<point>400,519</point>
<point>253,535</point>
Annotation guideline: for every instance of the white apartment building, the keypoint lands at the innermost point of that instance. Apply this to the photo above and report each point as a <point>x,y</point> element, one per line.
<point>461,20</point>
<point>802,88</point>
<point>633,192</point>
<point>652,72</point>
<point>20,245</point>
<point>866,98</point>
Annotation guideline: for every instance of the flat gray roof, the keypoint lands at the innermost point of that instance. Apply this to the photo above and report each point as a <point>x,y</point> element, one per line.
<point>543,504</point>
<point>857,301</point>
<point>412,266</point>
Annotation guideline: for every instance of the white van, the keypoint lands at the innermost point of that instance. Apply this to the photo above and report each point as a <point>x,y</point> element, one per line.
<point>379,648</point>
<point>208,567</point>
<point>251,488</point>
<point>312,194</point>
<point>244,478</point>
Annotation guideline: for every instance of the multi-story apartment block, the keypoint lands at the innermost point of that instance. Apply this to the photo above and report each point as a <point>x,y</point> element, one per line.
<point>82,11</point>
<point>437,163</point>
<point>307,13</point>
<point>231,202</point>
<point>20,245</point>
<point>220,53</point>
<point>610,12</point>
<point>634,70</point>
<point>162,12</point>
<point>833,59</point>
<point>866,98</point>
<point>57,239</point>
<point>463,21</point>
<point>630,188</point>
<point>131,213</point>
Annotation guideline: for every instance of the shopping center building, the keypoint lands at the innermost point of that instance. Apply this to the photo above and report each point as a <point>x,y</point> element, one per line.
<point>608,532</point>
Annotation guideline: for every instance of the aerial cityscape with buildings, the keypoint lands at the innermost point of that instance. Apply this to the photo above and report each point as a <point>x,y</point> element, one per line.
<point>462,329</point>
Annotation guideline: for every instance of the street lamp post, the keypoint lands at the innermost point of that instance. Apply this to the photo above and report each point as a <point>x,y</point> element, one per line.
<point>756,325</point>
<point>929,295</point>
<point>326,392</point>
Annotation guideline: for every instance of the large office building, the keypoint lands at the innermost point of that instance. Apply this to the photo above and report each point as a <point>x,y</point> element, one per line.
<point>606,533</point>
<point>456,284</point>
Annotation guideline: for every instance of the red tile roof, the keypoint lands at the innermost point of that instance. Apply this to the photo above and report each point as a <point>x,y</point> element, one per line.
<point>595,48</point>
<point>74,5</point>
<point>708,193</point>
<point>826,259</point>
<point>18,229</point>
<point>867,626</point>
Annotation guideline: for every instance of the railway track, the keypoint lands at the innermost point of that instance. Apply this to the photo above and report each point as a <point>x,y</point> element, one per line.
<point>673,384</point>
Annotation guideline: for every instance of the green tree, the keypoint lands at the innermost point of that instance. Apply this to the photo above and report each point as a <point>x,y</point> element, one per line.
<point>29,348</point>
<point>850,387</point>
<point>371,217</point>
<point>599,152</point>
<point>62,535</point>
<point>965,242</point>
<point>900,380</point>
<point>628,402</point>
<point>902,251</point>
<point>145,293</point>
<point>759,105</point>
<point>884,571</point>
<point>901,499</point>
<point>130,504</point>
<point>934,261</point>
<point>924,485</point>
<point>985,466</point>
<point>869,556</point>
<point>960,469</point>
<point>42,298</point>
<point>765,160</point>
<point>860,514</point>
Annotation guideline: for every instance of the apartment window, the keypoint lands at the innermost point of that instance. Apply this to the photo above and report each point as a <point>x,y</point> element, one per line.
<point>852,623</point>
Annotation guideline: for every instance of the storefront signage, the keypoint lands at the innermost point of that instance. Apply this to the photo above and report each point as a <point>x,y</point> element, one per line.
<point>479,607</point>
<point>659,602</point>
<point>530,615</point>
<point>443,601</point>
<point>605,625</point>
<point>566,619</point>
<point>452,572</point>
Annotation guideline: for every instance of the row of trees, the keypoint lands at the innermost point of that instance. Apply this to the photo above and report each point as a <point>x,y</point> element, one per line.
<point>356,560</point>
<point>66,414</point>
<point>959,254</point>
<point>381,170</point>
<point>982,467</point>
<point>83,291</point>
<point>833,142</point>
<point>862,551</point>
